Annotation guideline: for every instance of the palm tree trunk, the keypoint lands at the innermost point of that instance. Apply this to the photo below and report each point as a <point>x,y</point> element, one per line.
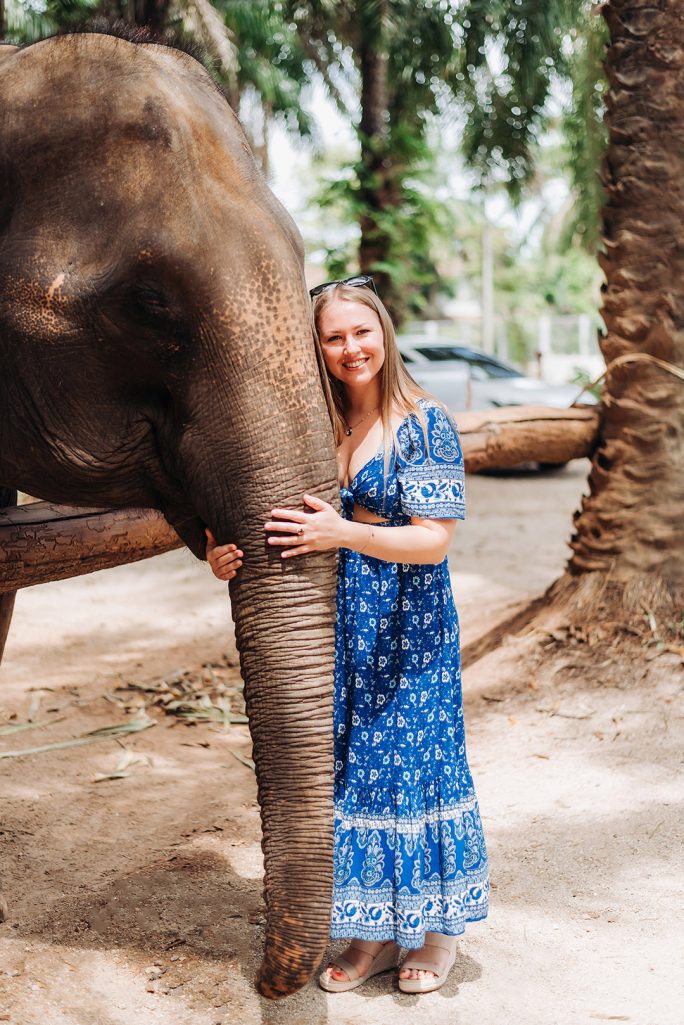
<point>632,522</point>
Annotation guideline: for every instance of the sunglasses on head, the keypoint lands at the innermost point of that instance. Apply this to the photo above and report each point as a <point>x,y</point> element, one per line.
<point>358,280</point>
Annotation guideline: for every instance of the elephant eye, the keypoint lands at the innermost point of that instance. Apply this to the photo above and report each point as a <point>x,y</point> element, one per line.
<point>149,300</point>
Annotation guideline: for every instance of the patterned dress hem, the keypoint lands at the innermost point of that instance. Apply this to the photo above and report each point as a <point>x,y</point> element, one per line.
<point>409,941</point>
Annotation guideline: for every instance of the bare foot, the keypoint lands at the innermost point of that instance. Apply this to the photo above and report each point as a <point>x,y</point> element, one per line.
<point>438,956</point>
<point>360,953</point>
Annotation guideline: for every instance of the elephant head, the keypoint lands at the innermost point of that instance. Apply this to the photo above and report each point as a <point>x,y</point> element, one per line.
<point>156,350</point>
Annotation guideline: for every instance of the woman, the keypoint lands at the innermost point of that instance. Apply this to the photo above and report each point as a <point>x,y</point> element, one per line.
<point>410,860</point>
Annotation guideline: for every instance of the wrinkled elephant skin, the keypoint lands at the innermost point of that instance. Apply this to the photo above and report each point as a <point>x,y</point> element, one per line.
<point>156,350</point>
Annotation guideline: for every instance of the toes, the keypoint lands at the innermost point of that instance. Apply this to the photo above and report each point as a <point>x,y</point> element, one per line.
<point>415,973</point>
<point>336,973</point>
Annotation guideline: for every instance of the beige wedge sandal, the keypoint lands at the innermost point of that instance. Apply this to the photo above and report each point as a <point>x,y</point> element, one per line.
<point>430,982</point>
<point>384,960</point>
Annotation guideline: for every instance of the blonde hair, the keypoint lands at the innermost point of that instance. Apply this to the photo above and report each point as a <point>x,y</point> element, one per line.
<point>399,392</point>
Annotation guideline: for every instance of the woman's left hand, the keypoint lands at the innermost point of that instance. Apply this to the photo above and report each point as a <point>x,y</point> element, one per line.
<point>307,532</point>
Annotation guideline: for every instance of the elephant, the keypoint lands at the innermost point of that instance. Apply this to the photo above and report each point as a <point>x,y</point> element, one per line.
<point>157,351</point>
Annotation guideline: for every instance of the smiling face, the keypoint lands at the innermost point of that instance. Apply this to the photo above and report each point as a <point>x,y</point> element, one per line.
<point>352,342</point>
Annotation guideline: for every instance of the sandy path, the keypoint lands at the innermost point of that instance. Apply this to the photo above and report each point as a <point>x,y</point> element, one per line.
<point>158,874</point>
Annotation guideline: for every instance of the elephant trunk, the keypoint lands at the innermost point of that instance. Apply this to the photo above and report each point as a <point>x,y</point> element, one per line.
<point>289,704</point>
<point>279,446</point>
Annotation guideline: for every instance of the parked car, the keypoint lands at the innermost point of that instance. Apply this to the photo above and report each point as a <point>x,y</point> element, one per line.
<point>448,382</point>
<point>438,366</point>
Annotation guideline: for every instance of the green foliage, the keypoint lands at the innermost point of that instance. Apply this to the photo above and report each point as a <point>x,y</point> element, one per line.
<point>388,189</point>
<point>539,279</point>
<point>516,55</point>
<point>26,20</point>
<point>499,65</point>
<point>270,58</point>
<point>583,129</point>
<point>498,73</point>
<point>411,226</point>
<point>567,281</point>
<point>591,386</point>
<point>511,50</point>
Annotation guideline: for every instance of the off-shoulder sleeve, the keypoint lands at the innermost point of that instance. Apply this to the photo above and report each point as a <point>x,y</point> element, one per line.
<point>431,477</point>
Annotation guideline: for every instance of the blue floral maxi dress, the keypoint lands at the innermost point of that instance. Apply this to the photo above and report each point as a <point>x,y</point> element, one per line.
<point>409,849</point>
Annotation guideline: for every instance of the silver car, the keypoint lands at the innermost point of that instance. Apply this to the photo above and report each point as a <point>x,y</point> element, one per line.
<point>463,378</point>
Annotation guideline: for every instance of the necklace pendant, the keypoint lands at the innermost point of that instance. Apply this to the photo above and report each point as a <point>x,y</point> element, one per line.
<point>363,419</point>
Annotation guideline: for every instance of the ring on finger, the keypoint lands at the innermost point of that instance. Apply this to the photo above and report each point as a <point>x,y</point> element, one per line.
<point>300,531</point>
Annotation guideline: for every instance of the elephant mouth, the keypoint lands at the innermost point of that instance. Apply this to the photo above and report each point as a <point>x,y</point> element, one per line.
<point>190,528</point>
<point>173,499</point>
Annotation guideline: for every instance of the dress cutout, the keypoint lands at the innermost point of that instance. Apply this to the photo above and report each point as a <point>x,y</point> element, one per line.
<point>409,849</point>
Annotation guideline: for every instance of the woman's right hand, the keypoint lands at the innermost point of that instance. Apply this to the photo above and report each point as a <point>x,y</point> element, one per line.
<point>225,560</point>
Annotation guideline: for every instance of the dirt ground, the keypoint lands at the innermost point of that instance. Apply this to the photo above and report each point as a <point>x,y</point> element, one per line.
<point>135,900</point>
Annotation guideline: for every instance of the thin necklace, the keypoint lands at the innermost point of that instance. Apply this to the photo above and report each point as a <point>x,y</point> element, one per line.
<point>349,429</point>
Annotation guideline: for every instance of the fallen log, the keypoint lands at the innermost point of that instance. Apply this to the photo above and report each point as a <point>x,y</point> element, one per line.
<point>500,438</point>
<point>42,541</point>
